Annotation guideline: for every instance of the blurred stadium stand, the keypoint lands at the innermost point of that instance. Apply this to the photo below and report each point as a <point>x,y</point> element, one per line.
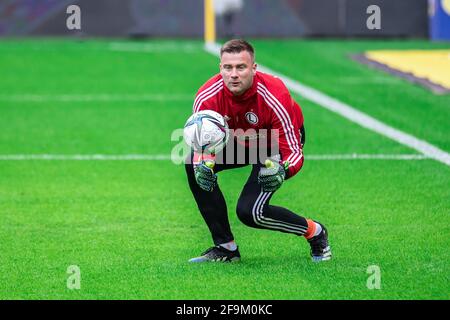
<point>176,18</point>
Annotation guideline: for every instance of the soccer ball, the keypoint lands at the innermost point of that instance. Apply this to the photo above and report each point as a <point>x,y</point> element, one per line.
<point>206,132</point>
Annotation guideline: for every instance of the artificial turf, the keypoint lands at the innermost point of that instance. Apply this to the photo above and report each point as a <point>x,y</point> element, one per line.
<point>131,226</point>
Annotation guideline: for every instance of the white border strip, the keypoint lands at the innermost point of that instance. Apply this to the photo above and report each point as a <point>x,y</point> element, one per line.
<point>353,114</point>
<point>167,157</point>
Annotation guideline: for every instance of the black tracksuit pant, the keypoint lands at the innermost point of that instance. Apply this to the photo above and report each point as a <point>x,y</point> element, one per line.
<point>253,207</point>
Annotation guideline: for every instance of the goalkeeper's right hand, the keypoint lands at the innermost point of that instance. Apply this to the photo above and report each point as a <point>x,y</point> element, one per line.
<point>204,175</point>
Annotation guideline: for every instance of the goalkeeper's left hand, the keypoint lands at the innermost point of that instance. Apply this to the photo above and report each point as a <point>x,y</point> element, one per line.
<point>272,176</point>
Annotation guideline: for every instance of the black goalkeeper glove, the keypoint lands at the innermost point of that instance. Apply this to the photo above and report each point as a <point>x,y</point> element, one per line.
<point>272,176</point>
<point>204,175</point>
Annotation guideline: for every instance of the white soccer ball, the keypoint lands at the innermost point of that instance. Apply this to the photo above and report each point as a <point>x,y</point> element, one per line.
<point>206,132</point>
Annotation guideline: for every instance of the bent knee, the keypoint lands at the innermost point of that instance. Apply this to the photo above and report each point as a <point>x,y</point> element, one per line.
<point>244,211</point>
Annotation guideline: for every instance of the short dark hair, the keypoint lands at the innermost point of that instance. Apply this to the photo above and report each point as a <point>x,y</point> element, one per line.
<point>237,46</point>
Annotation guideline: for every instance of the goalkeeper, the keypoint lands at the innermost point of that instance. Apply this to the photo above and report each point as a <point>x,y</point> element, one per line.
<point>251,101</point>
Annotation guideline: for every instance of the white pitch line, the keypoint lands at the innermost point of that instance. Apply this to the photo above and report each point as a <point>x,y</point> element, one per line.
<point>155,48</point>
<point>86,157</point>
<point>353,114</point>
<point>356,156</point>
<point>107,97</point>
<point>168,157</point>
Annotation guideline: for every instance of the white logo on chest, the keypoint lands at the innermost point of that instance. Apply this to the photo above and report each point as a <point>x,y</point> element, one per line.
<point>251,118</point>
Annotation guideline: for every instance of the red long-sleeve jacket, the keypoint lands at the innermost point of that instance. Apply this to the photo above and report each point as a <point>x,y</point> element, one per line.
<point>267,104</point>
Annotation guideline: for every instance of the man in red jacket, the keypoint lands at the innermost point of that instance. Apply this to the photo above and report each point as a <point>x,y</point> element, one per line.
<point>253,103</point>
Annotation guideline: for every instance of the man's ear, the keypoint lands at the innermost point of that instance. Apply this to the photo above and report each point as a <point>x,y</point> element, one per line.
<point>254,68</point>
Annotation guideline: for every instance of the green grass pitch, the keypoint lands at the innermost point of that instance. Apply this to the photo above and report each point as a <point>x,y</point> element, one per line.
<point>131,226</point>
